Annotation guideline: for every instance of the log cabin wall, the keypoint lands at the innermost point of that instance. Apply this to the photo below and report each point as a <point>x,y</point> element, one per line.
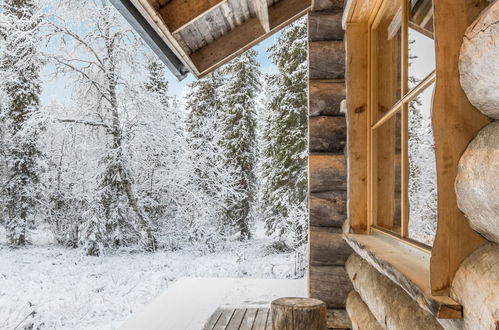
<point>328,280</point>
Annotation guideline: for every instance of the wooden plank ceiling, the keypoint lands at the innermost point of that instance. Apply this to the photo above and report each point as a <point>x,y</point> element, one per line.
<point>205,34</point>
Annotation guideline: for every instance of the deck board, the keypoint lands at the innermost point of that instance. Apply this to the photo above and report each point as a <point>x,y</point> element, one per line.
<point>261,318</point>
<point>224,319</point>
<point>242,318</point>
<point>249,319</point>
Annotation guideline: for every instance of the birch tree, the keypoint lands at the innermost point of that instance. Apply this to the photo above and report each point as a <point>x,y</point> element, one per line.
<point>101,59</point>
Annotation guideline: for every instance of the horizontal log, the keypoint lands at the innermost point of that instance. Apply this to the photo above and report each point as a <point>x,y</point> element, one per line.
<point>327,247</point>
<point>338,319</point>
<point>325,26</point>
<point>329,284</point>
<point>388,302</point>
<point>327,60</point>
<point>328,209</point>
<point>325,97</point>
<point>476,285</point>
<point>360,315</point>
<point>327,134</point>
<point>327,172</point>
<point>327,4</point>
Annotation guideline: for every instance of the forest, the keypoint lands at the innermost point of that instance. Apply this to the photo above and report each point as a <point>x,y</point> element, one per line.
<point>126,165</point>
<point>124,181</point>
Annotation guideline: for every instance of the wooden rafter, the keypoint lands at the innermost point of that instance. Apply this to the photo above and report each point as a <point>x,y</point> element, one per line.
<point>151,14</point>
<point>262,12</point>
<point>247,35</point>
<point>179,13</point>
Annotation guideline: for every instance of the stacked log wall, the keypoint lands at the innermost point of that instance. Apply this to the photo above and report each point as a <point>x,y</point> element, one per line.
<point>328,280</point>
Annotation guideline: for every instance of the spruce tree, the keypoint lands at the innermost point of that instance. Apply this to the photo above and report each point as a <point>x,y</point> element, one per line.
<point>204,133</point>
<point>239,137</point>
<point>284,150</point>
<point>20,67</point>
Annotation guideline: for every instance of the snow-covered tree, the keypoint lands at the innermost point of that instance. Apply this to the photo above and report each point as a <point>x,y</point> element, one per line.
<point>239,94</point>
<point>20,65</point>
<point>284,150</point>
<point>100,51</point>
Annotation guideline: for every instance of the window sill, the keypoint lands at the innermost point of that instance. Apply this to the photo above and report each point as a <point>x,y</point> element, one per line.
<point>408,267</point>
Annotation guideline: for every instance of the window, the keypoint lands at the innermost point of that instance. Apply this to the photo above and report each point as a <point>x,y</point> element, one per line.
<point>402,187</point>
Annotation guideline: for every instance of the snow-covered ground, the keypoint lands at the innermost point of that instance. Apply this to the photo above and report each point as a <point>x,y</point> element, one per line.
<point>58,288</point>
<point>189,302</point>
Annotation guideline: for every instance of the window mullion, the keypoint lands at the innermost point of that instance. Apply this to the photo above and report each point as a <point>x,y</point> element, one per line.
<point>405,123</point>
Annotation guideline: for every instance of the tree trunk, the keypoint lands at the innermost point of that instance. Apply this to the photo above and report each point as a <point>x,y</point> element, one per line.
<point>298,314</point>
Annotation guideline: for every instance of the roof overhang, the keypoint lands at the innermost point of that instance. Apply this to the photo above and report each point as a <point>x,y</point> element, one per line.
<point>199,36</point>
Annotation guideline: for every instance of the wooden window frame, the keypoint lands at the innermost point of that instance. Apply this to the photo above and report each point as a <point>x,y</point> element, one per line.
<point>455,123</point>
<point>401,106</point>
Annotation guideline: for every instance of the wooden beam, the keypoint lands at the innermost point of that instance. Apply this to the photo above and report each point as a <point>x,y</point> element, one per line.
<point>408,267</point>
<point>357,124</point>
<point>455,123</point>
<point>179,13</point>
<point>247,35</point>
<point>153,17</point>
<point>262,12</point>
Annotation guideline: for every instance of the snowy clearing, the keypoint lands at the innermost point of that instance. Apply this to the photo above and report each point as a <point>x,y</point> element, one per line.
<point>64,289</point>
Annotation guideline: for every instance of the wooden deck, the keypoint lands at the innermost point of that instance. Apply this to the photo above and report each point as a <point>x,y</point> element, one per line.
<point>240,319</point>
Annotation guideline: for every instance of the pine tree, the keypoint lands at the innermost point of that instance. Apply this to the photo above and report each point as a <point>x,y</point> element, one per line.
<point>204,132</point>
<point>20,67</point>
<point>284,150</point>
<point>239,96</point>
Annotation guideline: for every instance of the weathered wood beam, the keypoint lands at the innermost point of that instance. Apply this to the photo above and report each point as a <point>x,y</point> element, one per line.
<point>327,59</point>
<point>327,172</point>
<point>247,35</point>
<point>262,12</point>
<point>325,97</point>
<point>328,209</point>
<point>327,134</point>
<point>327,247</point>
<point>329,284</point>
<point>325,26</point>
<point>153,17</point>
<point>179,13</point>
<point>408,267</point>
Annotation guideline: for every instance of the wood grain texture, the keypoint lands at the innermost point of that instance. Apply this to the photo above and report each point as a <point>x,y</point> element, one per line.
<point>326,60</point>
<point>262,12</point>
<point>318,5</point>
<point>327,134</point>
<point>179,13</point>
<point>338,319</point>
<point>325,97</point>
<point>298,314</point>
<point>324,26</point>
<point>261,318</point>
<point>327,247</point>
<point>389,303</point>
<point>455,123</point>
<point>329,284</point>
<point>246,35</point>
<point>357,125</point>
<point>406,266</point>
<point>327,172</point>
<point>328,209</point>
<point>360,315</point>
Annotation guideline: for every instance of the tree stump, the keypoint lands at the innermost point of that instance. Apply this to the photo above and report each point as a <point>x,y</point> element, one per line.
<point>298,314</point>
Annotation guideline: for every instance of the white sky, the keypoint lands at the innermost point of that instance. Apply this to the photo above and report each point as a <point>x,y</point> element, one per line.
<point>56,90</point>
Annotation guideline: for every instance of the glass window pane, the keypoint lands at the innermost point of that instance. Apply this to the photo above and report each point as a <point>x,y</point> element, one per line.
<point>422,170</point>
<point>387,37</point>
<point>421,41</point>
<point>387,139</point>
